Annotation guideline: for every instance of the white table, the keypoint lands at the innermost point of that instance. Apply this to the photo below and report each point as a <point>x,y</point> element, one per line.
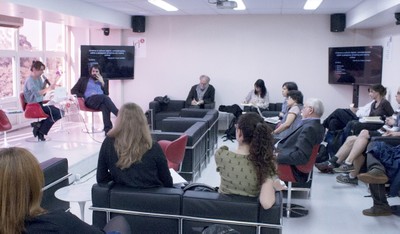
<point>80,193</point>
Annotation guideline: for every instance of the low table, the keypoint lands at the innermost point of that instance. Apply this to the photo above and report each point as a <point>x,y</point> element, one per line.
<point>80,193</point>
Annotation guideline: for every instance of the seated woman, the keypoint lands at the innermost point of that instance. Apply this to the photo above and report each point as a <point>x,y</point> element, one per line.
<point>293,115</point>
<point>349,158</point>
<point>258,97</point>
<point>129,156</point>
<point>347,119</point>
<point>21,185</point>
<point>250,169</point>
<point>286,87</point>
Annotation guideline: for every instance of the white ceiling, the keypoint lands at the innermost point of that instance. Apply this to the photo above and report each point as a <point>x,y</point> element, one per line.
<point>202,7</point>
<point>360,14</point>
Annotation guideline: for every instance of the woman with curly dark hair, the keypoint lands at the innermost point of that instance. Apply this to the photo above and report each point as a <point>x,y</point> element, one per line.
<point>250,169</point>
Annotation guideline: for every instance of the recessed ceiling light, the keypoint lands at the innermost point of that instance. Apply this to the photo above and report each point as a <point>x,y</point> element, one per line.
<point>312,4</point>
<point>163,5</point>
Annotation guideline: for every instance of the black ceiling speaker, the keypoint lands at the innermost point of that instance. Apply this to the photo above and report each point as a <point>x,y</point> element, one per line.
<point>106,31</point>
<point>397,17</point>
<point>138,23</point>
<point>338,22</point>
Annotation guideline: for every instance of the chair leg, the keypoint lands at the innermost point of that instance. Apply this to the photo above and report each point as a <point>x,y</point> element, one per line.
<point>289,199</point>
<point>92,122</point>
<point>293,210</point>
<point>5,143</point>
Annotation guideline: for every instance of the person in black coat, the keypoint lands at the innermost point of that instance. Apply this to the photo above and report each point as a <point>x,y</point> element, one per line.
<point>95,92</point>
<point>296,147</point>
<point>201,95</point>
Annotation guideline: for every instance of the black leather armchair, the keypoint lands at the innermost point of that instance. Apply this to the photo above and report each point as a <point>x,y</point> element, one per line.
<point>163,201</point>
<point>196,147</point>
<point>211,118</point>
<point>161,111</point>
<point>56,175</point>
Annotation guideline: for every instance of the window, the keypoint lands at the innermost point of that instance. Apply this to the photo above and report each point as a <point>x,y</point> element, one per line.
<point>7,38</point>
<point>6,77</point>
<point>55,37</point>
<point>30,36</point>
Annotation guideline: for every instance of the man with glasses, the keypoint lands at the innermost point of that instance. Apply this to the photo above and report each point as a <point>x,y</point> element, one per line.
<point>296,147</point>
<point>201,95</point>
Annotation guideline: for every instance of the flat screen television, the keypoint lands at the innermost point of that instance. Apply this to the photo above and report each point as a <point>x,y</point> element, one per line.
<point>355,65</point>
<point>116,62</point>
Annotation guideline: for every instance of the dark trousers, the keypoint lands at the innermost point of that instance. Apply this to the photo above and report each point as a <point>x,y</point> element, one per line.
<point>54,115</point>
<point>378,191</point>
<point>105,104</point>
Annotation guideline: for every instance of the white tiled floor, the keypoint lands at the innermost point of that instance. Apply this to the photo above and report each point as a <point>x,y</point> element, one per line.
<point>333,207</point>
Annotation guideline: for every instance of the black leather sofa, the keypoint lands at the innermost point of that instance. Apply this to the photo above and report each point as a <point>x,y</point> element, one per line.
<point>56,175</point>
<point>161,111</point>
<point>170,210</point>
<point>196,147</point>
<point>210,116</point>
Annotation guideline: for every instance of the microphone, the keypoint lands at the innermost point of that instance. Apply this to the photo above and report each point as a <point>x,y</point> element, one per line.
<point>46,80</point>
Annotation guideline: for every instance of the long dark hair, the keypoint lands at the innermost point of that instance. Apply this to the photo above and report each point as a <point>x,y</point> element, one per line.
<point>260,83</point>
<point>258,135</point>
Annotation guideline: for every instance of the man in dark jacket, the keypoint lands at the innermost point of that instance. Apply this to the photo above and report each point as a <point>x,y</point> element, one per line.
<point>201,95</point>
<point>95,92</point>
<point>295,148</point>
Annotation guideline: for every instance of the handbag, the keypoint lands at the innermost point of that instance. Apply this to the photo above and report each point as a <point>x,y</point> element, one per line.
<point>200,187</point>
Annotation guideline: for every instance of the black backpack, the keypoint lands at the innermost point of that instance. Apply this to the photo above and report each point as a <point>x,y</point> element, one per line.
<point>230,133</point>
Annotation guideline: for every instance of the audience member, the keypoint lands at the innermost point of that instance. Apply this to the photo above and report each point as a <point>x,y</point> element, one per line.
<point>21,182</point>
<point>201,95</point>
<point>348,118</point>
<point>258,97</point>
<point>34,90</point>
<point>95,91</point>
<point>382,162</point>
<point>129,156</point>
<point>292,117</point>
<point>286,87</point>
<point>349,158</point>
<point>250,169</point>
<point>296,148</point>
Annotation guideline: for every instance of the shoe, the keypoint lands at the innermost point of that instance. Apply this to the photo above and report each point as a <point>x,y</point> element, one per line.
<point>36,126</point>
<point>345,179</point>
<point>373,176</point>
<point>41,136</point>
<point>378,211</point>
<point>325,167</point>
<point>344,168</point>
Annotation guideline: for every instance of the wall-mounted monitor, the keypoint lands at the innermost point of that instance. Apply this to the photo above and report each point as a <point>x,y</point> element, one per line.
<point>355,65</point>
<point>116,62</point>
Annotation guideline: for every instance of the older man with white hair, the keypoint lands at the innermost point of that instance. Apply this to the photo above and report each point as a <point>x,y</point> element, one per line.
<point>296,147</point>
<point>201,95</point>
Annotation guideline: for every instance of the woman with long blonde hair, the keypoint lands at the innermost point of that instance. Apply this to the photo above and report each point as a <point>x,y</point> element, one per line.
<point>21,182</point>
<point>129,156</point>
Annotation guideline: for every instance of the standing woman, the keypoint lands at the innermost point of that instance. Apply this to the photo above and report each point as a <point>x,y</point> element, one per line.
<point>21,182</point>
<point>258,97</point>
<point>250,169</point>
<point>128,155</point>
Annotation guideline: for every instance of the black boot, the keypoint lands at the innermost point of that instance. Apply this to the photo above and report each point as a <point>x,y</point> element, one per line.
<point>36,126</point>
<point>40,136</point>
